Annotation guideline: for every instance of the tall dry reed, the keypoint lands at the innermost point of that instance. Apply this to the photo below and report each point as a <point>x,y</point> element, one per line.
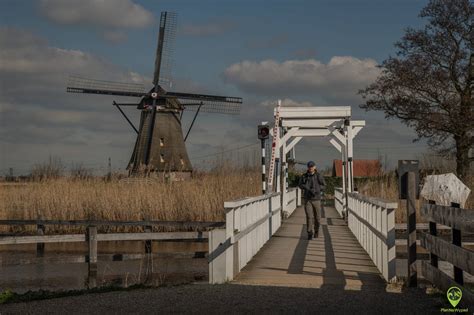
<point>198,199</point>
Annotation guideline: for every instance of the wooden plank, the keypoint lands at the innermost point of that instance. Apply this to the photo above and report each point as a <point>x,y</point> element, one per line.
<point>444,282</point>
<point>67,238</point>
<point>403,242</point>
<point>177,224</point>
<point>458,256</point>
<point>420,226</point>
<point>457,218</point>
<point>158,236</point>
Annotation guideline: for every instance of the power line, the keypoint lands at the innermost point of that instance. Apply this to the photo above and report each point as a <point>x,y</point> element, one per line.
<point>225,151</point>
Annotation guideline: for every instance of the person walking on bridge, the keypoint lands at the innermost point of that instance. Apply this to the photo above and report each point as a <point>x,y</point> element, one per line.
<point>312,183</point>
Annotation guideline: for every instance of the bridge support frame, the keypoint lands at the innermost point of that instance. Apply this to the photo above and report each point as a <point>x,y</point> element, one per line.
<point>333,123</point>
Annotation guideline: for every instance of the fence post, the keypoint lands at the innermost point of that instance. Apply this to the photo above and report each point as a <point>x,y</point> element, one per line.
<point>217,259</point>
<point>40,229</point>
<point>148,229</point>
<point>456,240</point>
<point>92,261</point>
<point>433,257</point>
<point>411,229</point>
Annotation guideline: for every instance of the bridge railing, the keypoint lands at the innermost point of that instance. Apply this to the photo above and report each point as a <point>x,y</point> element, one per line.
<point>460,221</point>
<point>339,201</point>
<point>250,223</point>
<point>291,201</point>
<point>372,221</point>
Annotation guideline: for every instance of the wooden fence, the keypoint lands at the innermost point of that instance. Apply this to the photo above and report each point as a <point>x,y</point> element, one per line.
<point>91,236</point>
<point>372,221</point>
<point>460,221</point>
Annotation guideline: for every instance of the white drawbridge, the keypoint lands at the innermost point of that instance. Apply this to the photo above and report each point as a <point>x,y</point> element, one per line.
<point>331,122</point>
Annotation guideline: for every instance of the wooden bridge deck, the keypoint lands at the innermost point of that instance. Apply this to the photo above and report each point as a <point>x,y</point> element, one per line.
<point>334,259</point>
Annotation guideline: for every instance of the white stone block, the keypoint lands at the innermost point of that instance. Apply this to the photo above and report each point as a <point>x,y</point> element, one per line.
<point>444,189</point>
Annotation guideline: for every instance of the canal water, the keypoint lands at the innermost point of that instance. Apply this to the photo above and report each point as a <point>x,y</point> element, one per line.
<point>63,265</point>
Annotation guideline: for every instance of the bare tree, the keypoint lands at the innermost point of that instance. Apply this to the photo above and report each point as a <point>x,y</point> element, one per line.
<point>428,84</point>
<point>51,169</point>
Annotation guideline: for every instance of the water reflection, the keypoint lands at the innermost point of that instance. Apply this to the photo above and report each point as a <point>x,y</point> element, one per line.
<point>63,266</point>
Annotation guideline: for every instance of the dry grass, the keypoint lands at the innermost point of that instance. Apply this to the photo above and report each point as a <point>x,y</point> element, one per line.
<point>386,187</point>
<point>199,199</point>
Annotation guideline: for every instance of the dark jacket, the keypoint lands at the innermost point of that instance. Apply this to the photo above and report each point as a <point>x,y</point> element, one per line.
<point>312,185</point>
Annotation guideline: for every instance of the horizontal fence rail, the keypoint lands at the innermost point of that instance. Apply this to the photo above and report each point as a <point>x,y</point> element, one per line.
<point>250,223</point>
<point>72,238</point>
<point>372,221</point>
<point>460,221</point>
<point>177,224</point>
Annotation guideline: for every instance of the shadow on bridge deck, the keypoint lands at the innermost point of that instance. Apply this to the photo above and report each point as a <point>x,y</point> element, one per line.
<point>333,260</point>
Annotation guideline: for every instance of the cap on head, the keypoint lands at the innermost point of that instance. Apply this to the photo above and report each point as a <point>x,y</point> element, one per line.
<point>311,164</point>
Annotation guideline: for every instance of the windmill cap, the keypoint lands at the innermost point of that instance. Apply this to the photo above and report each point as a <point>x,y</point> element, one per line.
<point>311,163</point>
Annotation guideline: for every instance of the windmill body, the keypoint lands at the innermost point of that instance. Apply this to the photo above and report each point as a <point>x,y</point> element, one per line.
<point>160,145</point>
<point>167,151</point>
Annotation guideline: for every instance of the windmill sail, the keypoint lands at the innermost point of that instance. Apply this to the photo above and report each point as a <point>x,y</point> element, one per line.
<point>213,107</point>
<point>208,103</point>
<point>82,85</point>
<point>165,49</point>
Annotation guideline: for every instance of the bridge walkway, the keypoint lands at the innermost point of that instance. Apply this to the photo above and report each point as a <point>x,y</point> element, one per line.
<point>334,259</point>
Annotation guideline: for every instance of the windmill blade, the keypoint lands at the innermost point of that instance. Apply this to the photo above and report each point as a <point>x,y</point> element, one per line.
<point>212,107</point>
<point>203,97</point>
<point>165,49</point>
<point>82,85</point>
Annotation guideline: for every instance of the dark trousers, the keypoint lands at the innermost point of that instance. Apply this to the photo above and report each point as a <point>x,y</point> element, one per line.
<point>313,214</point>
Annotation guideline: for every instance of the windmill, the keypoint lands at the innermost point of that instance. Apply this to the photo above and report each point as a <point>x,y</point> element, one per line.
<point>160,145</point>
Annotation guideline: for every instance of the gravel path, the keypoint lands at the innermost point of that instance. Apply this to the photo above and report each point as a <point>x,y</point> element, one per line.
<point>234,298</point>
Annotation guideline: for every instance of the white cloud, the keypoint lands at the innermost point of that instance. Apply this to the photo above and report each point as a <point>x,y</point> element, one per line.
<point>101,13</point>
<point>34,72</point>
<point>339,79</point>
<point>36,111</point>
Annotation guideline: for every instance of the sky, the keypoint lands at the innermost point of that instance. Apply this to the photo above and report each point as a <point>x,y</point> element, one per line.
<point>307,53</point>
